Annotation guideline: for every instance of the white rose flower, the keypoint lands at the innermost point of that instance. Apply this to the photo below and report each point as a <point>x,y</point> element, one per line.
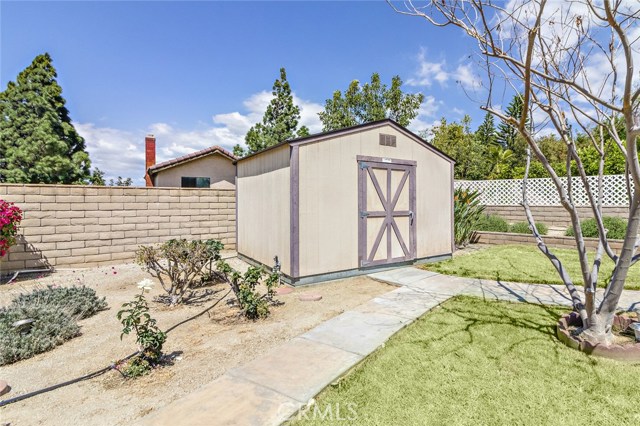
<point>145,284</point>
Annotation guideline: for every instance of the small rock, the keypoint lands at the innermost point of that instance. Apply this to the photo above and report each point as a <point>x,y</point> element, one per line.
<point>283,290</point>
<point>309,297</point>
<point>4,387</point>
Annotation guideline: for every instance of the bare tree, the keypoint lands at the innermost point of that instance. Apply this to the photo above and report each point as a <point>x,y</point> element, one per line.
<point>573,63</point>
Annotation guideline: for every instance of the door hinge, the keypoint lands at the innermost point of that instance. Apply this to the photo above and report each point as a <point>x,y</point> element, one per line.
<point>363,165</point>
<point>364,214</point>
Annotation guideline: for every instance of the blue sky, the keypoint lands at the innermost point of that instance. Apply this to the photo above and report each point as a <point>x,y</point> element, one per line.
<point>200,73</point>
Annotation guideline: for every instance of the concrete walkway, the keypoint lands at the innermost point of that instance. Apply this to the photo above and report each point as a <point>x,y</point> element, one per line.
<point>543,294</point>
<point>269,390</point>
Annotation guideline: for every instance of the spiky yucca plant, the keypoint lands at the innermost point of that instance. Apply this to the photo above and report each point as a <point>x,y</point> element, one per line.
<point>467,210</point>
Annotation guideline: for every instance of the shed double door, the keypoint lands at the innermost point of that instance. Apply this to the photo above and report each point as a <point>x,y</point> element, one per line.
<point>387,211</point>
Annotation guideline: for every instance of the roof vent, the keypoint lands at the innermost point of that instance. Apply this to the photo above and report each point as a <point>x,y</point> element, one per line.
<point>387,140</point>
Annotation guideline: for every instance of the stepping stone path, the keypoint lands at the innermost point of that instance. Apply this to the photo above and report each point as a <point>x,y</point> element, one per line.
<point>283,290</point>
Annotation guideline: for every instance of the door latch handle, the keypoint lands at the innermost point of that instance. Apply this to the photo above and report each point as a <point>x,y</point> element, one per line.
<point>410,216</point>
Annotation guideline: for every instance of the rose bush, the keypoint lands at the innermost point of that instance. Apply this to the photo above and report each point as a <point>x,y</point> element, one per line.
<point>10,217</point>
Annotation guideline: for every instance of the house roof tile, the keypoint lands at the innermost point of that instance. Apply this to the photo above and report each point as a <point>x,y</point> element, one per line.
<point>193,156</point>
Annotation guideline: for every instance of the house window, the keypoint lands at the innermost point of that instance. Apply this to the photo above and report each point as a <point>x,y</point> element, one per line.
<point>196,182</point>
<point>387,140</point>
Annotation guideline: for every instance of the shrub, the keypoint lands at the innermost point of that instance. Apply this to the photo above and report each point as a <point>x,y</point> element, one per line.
<point>77,301</point>
<point>253,304</point>
<point>523,228</point>
<point>55,320</point>
<point>179,265</point>
<point>10,217</point>
<point>135,317</point>
<point>492,223</point>
<point>188,263</point>
<point>616,227</point>
<point>467,210</point>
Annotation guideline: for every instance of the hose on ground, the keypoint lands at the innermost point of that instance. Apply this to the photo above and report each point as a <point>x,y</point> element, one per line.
<point>105,369</point>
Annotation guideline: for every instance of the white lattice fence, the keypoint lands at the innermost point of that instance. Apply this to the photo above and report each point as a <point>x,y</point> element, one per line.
<point>542,191</point>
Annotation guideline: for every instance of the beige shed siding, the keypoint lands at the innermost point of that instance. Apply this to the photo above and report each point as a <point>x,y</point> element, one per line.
<point>329,198</point>
<point>263,207</point>
<point>215,166</point>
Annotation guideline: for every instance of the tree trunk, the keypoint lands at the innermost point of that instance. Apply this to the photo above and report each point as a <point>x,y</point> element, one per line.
<point>599,330</point>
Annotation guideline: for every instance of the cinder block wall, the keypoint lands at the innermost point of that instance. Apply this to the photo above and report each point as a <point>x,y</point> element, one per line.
<point>484,237</point>
<point>85,226</point>
<point>551,215</point>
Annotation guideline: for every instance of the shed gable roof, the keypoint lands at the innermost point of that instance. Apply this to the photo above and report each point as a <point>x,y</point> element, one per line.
<point>190,157</point>
<point>354,129</point>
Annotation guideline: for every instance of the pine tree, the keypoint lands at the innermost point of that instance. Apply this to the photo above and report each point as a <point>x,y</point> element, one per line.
<point>508,135</point>
<point>238,151</point>
<point>370,102</point>
<point>97,177</point>
<point>486,132</point>
<point>38,143</point>
<point>280,120</point>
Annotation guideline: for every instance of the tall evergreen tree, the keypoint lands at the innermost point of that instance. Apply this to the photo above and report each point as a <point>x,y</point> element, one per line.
<point>38,143</point>
<point>486,132</point>
<point>370,102</point>
<point>508,135</point>
<point>279,123</point>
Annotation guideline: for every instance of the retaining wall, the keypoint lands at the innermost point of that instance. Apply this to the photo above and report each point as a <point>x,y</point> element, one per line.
<point>551,215</point>
<point>484,237</point>
<point>85,226</point>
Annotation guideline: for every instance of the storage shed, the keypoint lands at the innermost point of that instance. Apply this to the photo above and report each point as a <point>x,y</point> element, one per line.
<point>345,202</point>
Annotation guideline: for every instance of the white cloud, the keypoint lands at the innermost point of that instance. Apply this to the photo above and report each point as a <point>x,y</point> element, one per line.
<point>429,106</point>
<point>160,129</point>
<point>426,113</point>
<point>428,72</point>
<point>465,76</point>
<point>121,153</point>
<point>309,114</point>
<point>115,152</point>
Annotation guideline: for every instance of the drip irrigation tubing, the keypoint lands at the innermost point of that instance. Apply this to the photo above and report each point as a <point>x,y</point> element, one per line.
<point>105,369</point>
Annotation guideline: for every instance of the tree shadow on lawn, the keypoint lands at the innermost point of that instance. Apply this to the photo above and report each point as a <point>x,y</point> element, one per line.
<point>482,325</point>
<point>475,361</point>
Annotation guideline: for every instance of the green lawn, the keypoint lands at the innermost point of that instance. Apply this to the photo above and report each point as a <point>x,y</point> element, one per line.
<point>525,264</point>
<point>476,362</point>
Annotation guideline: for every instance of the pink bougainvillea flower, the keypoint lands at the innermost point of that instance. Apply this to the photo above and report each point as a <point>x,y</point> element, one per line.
<point>10,217</point>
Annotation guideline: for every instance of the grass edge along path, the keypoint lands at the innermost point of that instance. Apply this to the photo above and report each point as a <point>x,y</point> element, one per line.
<point>471,361</point>
<point>524,264</point>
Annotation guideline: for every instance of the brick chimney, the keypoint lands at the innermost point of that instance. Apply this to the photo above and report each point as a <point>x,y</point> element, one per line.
<point>150,156</point>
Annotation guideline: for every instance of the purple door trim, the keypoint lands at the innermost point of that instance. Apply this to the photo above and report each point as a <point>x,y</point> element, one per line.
<point>413,235</point>
<point>365,164</point>
<point>386,160</point>
<point>362,227</point>
<point>294,211</point>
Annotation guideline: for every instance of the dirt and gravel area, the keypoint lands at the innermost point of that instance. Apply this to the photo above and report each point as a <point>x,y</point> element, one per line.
<point>203,347</point>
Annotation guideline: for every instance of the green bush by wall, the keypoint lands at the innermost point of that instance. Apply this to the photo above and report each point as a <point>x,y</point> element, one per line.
<point>617,228</point>
<point>492,223</point>
<point>523,228</point>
